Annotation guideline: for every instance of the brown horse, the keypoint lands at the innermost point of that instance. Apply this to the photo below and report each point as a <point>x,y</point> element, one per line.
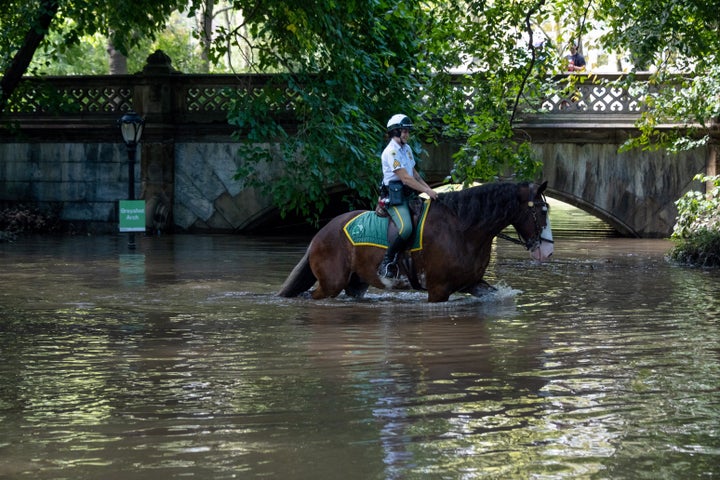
<point>455,241</point>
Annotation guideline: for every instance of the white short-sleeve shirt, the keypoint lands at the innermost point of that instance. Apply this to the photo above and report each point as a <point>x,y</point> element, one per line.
<point>394,157</point>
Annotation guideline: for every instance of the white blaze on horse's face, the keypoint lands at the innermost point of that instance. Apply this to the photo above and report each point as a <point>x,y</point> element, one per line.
<point>545,249</point>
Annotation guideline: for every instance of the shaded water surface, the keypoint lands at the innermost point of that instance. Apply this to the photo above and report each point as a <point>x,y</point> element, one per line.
<point>177,361</point>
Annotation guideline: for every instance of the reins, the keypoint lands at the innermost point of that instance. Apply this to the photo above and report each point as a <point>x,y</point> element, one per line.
<point>511,239</point>
<point>518,241</point>
<point>538,231</point>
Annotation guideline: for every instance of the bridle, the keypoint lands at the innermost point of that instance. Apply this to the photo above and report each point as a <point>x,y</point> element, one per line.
<point>534,242</point>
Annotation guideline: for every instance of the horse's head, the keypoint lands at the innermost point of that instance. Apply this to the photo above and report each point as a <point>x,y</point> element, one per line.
<point>533,222</point>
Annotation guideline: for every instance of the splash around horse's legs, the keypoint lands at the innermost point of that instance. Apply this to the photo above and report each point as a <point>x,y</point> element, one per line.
<point>356,288</point>
<point>438,294</point>
<point>389,277</point>
<point>482,288</point>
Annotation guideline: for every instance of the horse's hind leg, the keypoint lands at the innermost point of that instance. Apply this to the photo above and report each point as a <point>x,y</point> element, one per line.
<point>330,261</point>
<point>327,287</point>
<point>356,288</point>
<point>331,279</point>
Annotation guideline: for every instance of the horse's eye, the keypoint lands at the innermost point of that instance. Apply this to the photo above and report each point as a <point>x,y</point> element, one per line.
<point>545,209</point>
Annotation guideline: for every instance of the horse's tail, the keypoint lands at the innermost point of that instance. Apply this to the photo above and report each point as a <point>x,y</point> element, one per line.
<point>300,279</point>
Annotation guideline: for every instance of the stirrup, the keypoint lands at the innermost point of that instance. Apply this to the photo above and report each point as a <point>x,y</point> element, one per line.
<point>384,269</point>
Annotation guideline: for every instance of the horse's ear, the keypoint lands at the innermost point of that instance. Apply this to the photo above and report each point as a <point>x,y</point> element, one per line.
<point>542,188</point>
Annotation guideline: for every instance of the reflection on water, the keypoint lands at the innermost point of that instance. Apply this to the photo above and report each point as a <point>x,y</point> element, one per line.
<point>178,361</point>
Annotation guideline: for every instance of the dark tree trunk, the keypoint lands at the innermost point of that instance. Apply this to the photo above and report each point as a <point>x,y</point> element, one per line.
<point>207,31</point>
<point>20,62</point>
<point>118,61</point>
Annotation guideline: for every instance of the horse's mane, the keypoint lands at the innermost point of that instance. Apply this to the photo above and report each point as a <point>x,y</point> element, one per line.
<point>490,201</point>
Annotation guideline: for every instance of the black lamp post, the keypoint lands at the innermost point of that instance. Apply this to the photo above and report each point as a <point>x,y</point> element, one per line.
<point>131,127</point>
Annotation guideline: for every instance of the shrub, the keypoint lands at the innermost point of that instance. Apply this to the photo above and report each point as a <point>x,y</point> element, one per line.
<point>697,229</point>
<point>20,219</point>
<point>702,248</point>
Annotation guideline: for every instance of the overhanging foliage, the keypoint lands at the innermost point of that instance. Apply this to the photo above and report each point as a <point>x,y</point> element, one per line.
<point>345,67</point>
<point>345,72</point>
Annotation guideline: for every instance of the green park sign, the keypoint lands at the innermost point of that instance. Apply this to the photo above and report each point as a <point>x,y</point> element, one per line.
<point>132,215</point>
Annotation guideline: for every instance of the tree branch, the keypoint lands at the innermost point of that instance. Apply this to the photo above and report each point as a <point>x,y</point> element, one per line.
<point>21,61</point>
<point>528,26</point>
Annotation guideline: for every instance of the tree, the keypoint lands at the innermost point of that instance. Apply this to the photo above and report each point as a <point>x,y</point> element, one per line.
<point>90,55</point>
<point>341,72</point>
<point>18,64</point>
<point>343,68</point>
<point>119,21</point>
<point>209,10</point>
<point>680,38</point>
<point>496,49</point>
<point>344,71</point>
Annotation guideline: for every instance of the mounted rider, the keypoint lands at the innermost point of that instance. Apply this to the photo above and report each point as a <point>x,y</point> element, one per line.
<point>401,182</point>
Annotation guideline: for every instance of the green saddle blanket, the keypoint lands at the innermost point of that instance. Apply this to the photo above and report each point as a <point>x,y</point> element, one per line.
<point>367,229</point>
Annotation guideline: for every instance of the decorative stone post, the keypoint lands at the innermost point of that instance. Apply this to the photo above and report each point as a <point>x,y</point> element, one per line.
<point>155,99</point>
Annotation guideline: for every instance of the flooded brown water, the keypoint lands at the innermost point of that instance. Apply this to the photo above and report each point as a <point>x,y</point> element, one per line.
<point>178,361</point>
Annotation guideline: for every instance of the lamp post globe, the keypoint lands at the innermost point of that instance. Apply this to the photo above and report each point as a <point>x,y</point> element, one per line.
<point>131,128</point>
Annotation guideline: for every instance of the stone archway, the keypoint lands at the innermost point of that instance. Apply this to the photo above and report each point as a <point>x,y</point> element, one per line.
<point>634,192</point>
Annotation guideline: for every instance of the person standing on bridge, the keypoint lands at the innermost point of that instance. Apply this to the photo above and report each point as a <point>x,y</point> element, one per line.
<point>401,181</point>
<point>576,61</point>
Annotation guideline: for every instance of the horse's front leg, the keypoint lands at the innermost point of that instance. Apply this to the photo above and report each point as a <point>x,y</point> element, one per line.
<point>356,287</point>
<point>479,289</point>
<point>438,275</point>
<point>438,293</point>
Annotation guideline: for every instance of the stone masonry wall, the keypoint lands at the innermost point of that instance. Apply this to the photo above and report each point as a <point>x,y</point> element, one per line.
<point>207,197</point>
<point>83,181</point>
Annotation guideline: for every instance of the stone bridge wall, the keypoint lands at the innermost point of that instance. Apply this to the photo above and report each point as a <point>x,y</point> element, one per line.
<point>634,192</point>
<point>70,154</point>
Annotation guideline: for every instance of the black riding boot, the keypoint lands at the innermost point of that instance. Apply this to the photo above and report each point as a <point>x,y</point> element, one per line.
<point>385,269</point>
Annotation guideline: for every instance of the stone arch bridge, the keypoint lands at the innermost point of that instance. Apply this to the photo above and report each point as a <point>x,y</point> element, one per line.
<point>75,160</point>
<point>634,191</point>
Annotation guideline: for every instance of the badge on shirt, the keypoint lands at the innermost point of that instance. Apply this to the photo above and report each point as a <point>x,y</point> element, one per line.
<point>396,162</point>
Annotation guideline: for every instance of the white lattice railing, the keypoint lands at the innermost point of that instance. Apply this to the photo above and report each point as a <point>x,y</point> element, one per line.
<point>85,95</point>
<point>197,97</point>
<point>590,100</point>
